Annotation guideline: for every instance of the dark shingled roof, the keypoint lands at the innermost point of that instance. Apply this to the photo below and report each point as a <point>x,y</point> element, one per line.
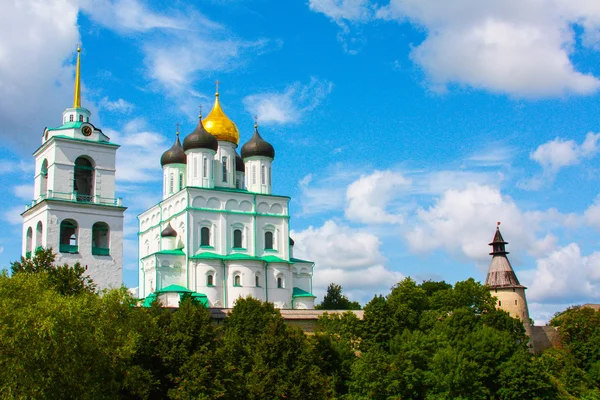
<point>168,231</point>
<point>200,139</point>
<point>257,146</point>
<point>500,274</point>
<point>175,155</point>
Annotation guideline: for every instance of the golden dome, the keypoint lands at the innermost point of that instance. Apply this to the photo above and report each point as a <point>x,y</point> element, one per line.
<point>219,125</point>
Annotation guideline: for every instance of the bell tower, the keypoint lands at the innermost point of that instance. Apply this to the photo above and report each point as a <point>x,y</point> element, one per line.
<point>503,282</point>
<point>75,211</point>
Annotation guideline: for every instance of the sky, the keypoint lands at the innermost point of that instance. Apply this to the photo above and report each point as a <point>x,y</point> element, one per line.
<point>404,130</point>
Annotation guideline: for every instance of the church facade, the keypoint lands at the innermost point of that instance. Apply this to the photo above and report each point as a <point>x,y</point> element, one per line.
<point>74,210</point>
<point>219,233</point>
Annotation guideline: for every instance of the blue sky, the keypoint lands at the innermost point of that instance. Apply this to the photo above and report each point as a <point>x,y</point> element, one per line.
<point>404,129</point>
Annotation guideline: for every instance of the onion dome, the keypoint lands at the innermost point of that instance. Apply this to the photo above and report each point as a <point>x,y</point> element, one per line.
<point>200,138</point>
<point>175,155</point>
<point>239,163</point>
<point>291,241</point>
<point>168,231</point>
<point>257,146</point>
<point>219,124</point>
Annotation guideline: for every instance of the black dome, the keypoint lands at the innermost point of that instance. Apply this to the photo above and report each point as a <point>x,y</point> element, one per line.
<point>168,231</point>
<point>175,155</point>
<point>291,241</point>
<point>257,146</point>
<point>200,139</point>
<point>239,163</point>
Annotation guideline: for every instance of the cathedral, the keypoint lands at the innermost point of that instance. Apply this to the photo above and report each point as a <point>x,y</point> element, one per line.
<point>218,234</point>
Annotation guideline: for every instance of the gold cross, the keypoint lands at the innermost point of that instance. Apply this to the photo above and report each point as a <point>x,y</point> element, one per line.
<point>217,83</point>
<point>256,121</point>
<point>177,125</point>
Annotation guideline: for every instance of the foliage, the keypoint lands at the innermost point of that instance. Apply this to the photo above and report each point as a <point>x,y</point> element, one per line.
<point>335,300</point>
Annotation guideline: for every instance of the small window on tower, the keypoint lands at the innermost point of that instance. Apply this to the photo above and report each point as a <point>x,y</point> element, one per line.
<point>254,174</point>
<point>204,167</point>
<point>269,176</point>
<point>210,280</point>
<point>237,239</point>
<point>269,240</point>
<point>515,302</point>
<point>237,281</point>
<point>205,236</point>
<point>71,118</point>
<point>257,281</point>
<point>81,118</point>
<point>171,183</point>
<point>224,159</point>
<point>499,303</point>
<point>263,174</point>
<point>279,283</point>
<point>181,180</point>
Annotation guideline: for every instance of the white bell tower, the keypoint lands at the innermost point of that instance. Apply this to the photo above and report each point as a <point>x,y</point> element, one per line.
<point>74,210</point>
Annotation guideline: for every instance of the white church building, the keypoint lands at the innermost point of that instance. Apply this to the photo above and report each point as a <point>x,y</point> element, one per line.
<point>75,211</point>
<point>219,232</point>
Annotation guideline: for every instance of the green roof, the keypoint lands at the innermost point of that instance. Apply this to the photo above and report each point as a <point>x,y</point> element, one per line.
<point>301,293</point>
<point>67,125</point>
<point>201,297</point>
<point>176,252</point>
<point>232,257</point>
<point>299,260</point>
<point>174,288</point>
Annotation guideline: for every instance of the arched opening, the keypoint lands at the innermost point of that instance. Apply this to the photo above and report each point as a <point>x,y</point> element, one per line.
<point>269,240</point>
<point>68,237</point>
<point>205,236</point>
<point>44,179</point>
<point>237,239</point>
<point>28,242</point>
<point>257,280</point>
<point>224,160</point>
<point>210,280</point>
<point>279,282</point>
<point>100,239</point>
<point>83,184</point>
<point>38,235</point>
<point>237,281</point>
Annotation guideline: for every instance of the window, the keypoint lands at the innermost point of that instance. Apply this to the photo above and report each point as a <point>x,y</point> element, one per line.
<point>171,183</point>
<point>269,176</point>
<point>44,178</point>
<point>81,118</point>
<point>100,237</point>
<point>205,236</point>
<point>254,174</point>
<point>263,178</point>
<point>38,235</point>
<point>515,302</point>
<point>224,160</point>
<point>181,180</point>
<point>499,303</point>
<point>269,240</point>
<point>83,182</point>
<point>210,280</point>
<point>195,167</point>
<point>237,239</point>
<point>28,242</point>
<point>204,167</point>
<point>279,282</point>
<point>68,237</point>
<point>257,281</point>
<point>237,281</point>
<point>71,118</point>
<point>87,119</point>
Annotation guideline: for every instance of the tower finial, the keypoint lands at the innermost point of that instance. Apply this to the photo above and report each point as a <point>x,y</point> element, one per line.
<point>177,132</point>
<point>498,224</point>
<point>77,95</point>
<point>200,115</point>
<point>256,122</point>
<point>217,84</point>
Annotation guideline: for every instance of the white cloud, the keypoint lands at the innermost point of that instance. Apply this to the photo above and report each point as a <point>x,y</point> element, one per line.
<point>33,73</point>
<point>517,47</point>
<point>289,106</point>
<point>13,215</point>
<point>559,153</point>
<point>24,192</point>
<point>369,197</point>
<point>462,220</point>
<point>119,105</point>
<point>592,214</point>
<point>564,276</point>
<point>346,256</point>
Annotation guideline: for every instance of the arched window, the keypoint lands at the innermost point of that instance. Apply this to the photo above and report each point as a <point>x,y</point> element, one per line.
<point>71,118</point>
<point>180,180</point>
<point>205,236</point>
<point>515,302</point>
<point>68,237</point>
<point>210,280</point>
<point>100,237</point>
<point>269,240</point>
<point>205,167</point>
<point>83,184</point>
<point>257,280</point>
<point>254,174</point>
<point>38,235</point>
<point>237,280</point>
<point>263,174</point>
<point>237,239</point>
<point>81,118</point>
<point>28,242</point>
<point>44,178</point>
<point>279,282</point>
<point>269,176</point>
<point>224,159</point>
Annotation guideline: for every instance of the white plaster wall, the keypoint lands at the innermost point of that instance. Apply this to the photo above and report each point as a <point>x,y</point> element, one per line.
<point>246,271</point>
<point>31,219</point>
<point>195,171</point>
<point>254,182</point>
<point>281,298</point>
<point>176,170</point>
<point>226,149</point>
<point>199,271</point>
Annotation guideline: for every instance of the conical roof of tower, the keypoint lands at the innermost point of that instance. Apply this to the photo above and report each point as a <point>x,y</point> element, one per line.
<point>501,274</point>
<point>175,155</point>
<point>200,138</point>
<point>219,124</point>
<point>168,231</point>
<point>257,146</point>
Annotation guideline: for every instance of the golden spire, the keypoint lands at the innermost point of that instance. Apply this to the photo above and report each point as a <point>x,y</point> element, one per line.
<point>77,96</point>
<point>219,125</point>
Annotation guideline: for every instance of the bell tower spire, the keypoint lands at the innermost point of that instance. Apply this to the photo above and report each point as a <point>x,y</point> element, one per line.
<point>77,94</point>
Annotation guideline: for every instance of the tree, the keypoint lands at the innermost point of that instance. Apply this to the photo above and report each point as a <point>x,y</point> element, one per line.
<point>335,300</point>
<point>67,280</point>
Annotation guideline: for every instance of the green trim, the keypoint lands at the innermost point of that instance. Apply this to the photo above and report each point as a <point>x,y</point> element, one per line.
<point>28,254</point>
<point>100,251</point>
<point>239,248</point>
<point>297,292</point>
<point>206,246</point>
<point>235,257</point>
<point>237,285</point>
<point>67,248</point>
<point>176,252</point>
<point>201,297</point>
<point>235,190</point>
<point>271,250</point>
<point>83,203</point>
<point>67,125</point>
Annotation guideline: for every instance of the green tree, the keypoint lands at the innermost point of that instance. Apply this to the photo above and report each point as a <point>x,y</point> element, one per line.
<point>67,280</point>
<point>335,300</point>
